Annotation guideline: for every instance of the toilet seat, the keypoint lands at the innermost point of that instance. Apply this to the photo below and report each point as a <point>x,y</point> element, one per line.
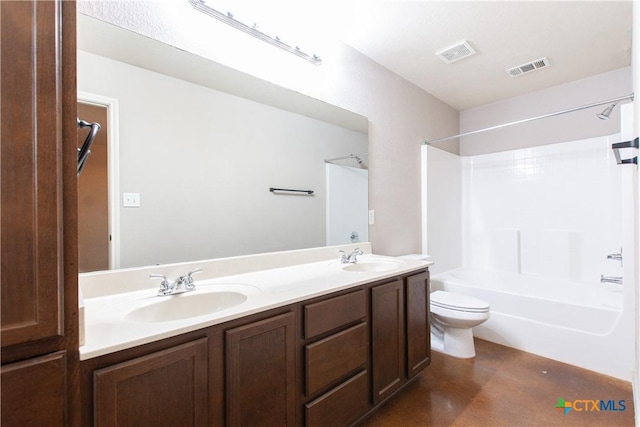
<point>458,302</point>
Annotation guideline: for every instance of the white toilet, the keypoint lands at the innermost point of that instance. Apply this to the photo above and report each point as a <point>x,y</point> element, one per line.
<point>452,317</point>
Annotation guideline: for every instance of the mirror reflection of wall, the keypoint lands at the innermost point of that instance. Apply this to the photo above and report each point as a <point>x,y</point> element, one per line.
<point>202,162</point>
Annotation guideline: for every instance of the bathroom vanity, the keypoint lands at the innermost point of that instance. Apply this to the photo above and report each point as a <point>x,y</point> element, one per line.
<point>314,349</point>
<point>321,346</point>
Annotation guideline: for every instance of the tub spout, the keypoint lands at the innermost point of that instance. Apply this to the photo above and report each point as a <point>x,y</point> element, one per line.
<point>610,279</point>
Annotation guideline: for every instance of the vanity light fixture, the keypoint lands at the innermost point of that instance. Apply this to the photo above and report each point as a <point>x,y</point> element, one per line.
<point>252,30</point>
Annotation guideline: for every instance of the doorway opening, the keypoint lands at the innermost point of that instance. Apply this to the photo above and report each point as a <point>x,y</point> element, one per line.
<point>98,219</point>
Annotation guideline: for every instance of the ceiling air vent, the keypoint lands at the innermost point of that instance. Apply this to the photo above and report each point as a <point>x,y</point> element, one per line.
<point>456,52</point>
<point>528,67</point>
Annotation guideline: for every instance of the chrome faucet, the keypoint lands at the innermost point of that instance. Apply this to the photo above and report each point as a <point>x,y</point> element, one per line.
<point>168,287</point>
<point>351,258</point>
<point>616,257</point>
<point>611,279</point>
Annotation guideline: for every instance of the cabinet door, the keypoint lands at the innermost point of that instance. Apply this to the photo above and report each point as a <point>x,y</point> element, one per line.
<point>260,359</point>
<point>166,388</point>
<point>418,334</point>
<point>387,339</point>
<point>33,392</point>
<point>31,173</point>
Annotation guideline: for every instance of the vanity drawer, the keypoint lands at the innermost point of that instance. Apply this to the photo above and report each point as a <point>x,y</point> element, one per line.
<point>334,357</point>
<point>330,314</point>
<point>340,406</point>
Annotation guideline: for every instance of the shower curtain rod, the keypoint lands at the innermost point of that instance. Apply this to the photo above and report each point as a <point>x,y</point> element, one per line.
<point>517,122</point>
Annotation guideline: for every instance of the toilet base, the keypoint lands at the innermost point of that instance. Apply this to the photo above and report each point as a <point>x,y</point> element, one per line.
<point>456,342</point>
<point>437,344</point>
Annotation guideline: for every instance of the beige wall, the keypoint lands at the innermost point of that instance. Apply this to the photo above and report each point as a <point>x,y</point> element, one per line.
<point>400,114</point>
<point>567,127</point>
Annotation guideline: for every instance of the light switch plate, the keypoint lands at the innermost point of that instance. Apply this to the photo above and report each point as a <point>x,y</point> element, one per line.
<point>131,200</point>
<point>372,217</point>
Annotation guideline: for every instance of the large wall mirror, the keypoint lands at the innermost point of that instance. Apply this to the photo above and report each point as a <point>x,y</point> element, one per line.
<point>190,150</point>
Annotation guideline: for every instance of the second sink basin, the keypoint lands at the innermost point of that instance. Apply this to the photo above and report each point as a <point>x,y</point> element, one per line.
<point>186,305</point>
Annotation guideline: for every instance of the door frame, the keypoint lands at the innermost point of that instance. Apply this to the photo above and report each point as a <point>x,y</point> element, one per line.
<point>113,170</point>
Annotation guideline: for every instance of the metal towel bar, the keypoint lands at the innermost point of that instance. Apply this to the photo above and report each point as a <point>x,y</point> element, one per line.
<point>287,190</point>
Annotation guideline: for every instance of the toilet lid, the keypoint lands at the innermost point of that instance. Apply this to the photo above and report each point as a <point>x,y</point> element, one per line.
<point>459,302</point>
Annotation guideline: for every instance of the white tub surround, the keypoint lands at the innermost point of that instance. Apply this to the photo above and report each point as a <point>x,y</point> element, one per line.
<point>268,281</point>
<point>551,220</point>
<point>553,211</point>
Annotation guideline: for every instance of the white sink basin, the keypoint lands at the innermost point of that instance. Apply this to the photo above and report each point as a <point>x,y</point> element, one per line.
<point>186,305</point>
<point>373,265</point>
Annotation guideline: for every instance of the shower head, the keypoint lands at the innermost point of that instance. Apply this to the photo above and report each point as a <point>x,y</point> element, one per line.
<point>361,163</point>
<point>607,111</point>
<point>355,157</point>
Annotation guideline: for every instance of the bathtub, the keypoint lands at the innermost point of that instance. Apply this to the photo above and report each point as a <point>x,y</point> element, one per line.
<point>578,323</point>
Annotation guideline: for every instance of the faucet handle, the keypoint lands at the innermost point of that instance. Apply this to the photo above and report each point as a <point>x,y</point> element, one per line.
<point>159,276</point>
<point>354,255</point>
<point>196,271</point>
<point>165,286</point>
<point>188,281</point>
<point>344,258</point>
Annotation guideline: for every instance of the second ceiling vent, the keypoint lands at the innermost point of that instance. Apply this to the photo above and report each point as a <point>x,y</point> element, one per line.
<point>528,67</point>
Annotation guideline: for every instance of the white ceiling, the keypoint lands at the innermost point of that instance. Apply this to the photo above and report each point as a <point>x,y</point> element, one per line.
<point>580,39</point>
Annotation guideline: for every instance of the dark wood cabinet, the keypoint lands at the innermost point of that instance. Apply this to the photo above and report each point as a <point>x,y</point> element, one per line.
<point>38,160</point>
<point>326,361</point>
<point>336,359</point>
<point>32,225</point>
<point>169,387</point>
<point>418,327</point>
<point>261,373</point>
<point>33,391</point>
<point>400,333</point>
<point>387,338</point>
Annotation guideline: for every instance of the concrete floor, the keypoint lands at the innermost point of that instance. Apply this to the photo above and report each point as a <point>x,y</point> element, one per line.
<point>505,387</point>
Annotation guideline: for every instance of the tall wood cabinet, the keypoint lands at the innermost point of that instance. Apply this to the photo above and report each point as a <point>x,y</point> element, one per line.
<point>38,215</point>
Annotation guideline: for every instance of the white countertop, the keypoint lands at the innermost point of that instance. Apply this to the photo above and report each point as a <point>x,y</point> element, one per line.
<point>109,327</point>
